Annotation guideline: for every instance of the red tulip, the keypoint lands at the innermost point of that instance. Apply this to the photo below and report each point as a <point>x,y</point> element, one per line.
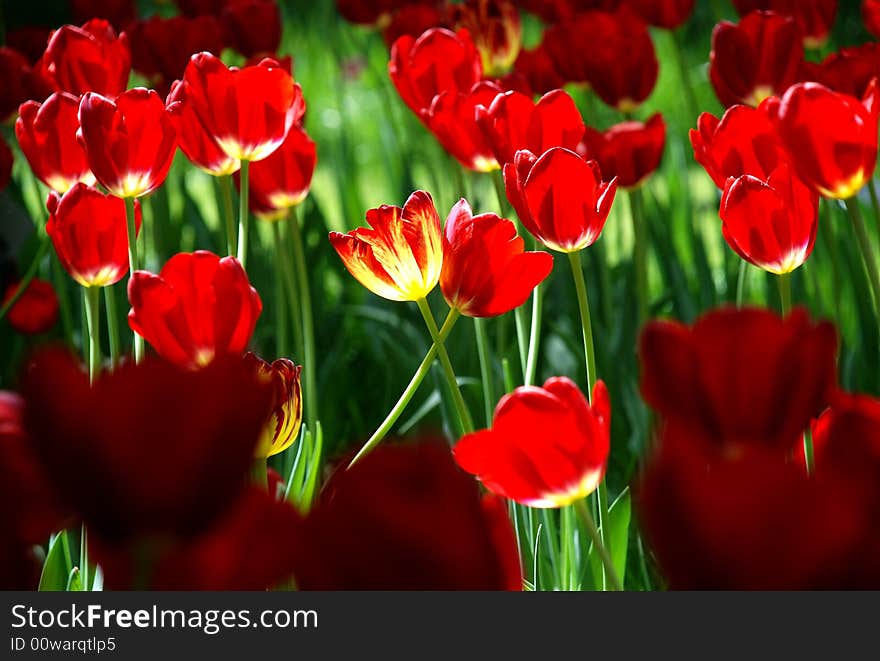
<point>756,59</point>
<point>554,11</point>
<point>739,376</point>
<point>400,255</point>
<point>47,135</point>
<point>629,152</point>
<point>814,17</point>
<point>247,111</point>
<point>495,27</point>
<point>513,121</point>
<point>832,137</point>
<point>432,531</point>
<point>548,447</point>
<point>452,119</point>
<point>282,428</point>
<point>29,40</point>
<point>375,12</point>
<point>771,224</point>
<point>88,230</point>
<point>282,180</point>
<point>198,308</point>
<point>252,27</point>
<point>871,16</point>
<point>559,197</point>
<point>742,142</point>
<point>849,70</point>
<point>129,142</point>
<point>91,58</point>
<point>149,449</point>
<point>118,12</point>
<point>537,67</point>
<point>438,61</point>
<point>485,269</point>
<point>412,20</point>
<point>161,47</point>
<point>6,162</point>
<point>36,311</point>
<point>193,8</point>
<point>612,52</point>
<point>19,82</point>
<point>668,14</point>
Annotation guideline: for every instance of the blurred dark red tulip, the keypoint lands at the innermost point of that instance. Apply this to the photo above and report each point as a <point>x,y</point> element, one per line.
<point>29,40</point>
<point>130,471</point>
<point>771,224</point>
<point>513,121</point>
<point>452,119</point>
<point>496,29</point>
<point>849,70</point>
<point>742,142</point>
<point>89,232</point>
<point>91,58</point>
<point>413,20</point>
<point>375,12</point>
<point>432,531</point>
<point>538,69</point>
<point>19,82</point>
<point>668,14</point>
<point>47,135</point>
<point>129,142</point>
<point>739,376</point>
<point>6,162</point>
<point>832,137</point>
<point>554,11</point>
<point>438,61</point>
<point>759,57</point>
<point>282,180</point>
<point>629,151</point>
<point>560,198</point>
<point>161,47</point>
<point>247,111</point>
<point>252,27</point>
<point>193,8</point>
<point>118,12</point>
<point>486,271</point>
<point>36,311</point>
<point>612,52</point>
<point>198,308</point>
<point>548,446</point>
<point>871,16</point>
<point>815,18</point>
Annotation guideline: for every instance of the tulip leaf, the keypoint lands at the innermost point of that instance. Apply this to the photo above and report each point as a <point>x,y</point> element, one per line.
<point>55,569</point>
<point>314,469</point>
<point>618,526</point>
<point>74,581</point>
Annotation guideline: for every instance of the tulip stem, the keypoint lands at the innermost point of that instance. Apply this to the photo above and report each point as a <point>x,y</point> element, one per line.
<point>92,296</point>
<point>28,276</point>
<point>228,212</point>
<point>498,182</point>
<point>855,214</point>
<point>534,335</point>
<point>609,572</point>
<point>284,264</point>
<point>243,214</point>
<point>112,324</point>
<point>741,278</point>
<point>875,203</point>
<point>259,475</point>
<point>687,82</point>
<point>310,367</point>
<point>783,281</point>
<point>408,392</point>
<point>131,225</point>
<point>467,424</point>
<point>485,369</point>
<point>640,255</point>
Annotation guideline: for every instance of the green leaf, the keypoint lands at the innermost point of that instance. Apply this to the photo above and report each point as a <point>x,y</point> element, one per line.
<point>618,526</point>
<point>55,570</point>
<point>74,581</point>
<point>311,482</point>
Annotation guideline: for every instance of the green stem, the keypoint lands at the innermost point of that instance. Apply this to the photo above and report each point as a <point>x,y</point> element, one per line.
<point>133,265</point>
<point>92,297</point>
<point>84,557</point>
<point>519,316</point>
<point>875,202</point>
<point>609,571</point>
<point>228,212</point>
<point>287,284</point>
<point>809,459</point>
<point>534,335</point>
<point>501,194</point>
<point>577,272</point>
<point>464,415</point>
<point>308,325</point>
<point>408,392</point>
<point>864,241</point>
<point>640,255</point>
<point>741,282</point>
<point>485,369</point>
<point>29,275</point>
<point>243,216</point>
<point>784,283</point>
<point>258,472</point>
<point>112,325</point>
<point>566,541</point>
<point>687,82</point>
<point>59,282</point>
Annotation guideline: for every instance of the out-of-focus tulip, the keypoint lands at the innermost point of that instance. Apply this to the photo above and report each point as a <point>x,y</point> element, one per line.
<point>433,531</point>
<point>412,20</point>
<point>739,376</point>
<point>629,151</point>
<point>759,57</point>
<point>91,58</point>
<point>47,135</point>
<point>742,142</point>
<point>19,82</point>
<point>537,67</point>
<point>198,308</point>
<point>6,162</point>
<point>252,27</point>
<point>247,111</point>
<point>438,61</point>
<point>513,121</point>
<point>815,18</point>
<point>88,230</point>
<point>400,255</point>
<point>771,224</point>
<point>548,446</point>
<point>282,180</point>
<point>560,198</point>
<point>849,70</point>
<point>282,428</point>
<point>668,14</point>
<point>486,271</point>
<point>375,12</point>
<point>554,11</point>
<point>871,16</point>
<point>29,40</point>
<point>495,27</point>
<point>36,310</point>
<point>129,142</point>
<point>119,13</point>
<point>832,137</point>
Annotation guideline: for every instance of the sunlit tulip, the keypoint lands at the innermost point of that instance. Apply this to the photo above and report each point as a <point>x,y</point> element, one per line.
<point>19,82</point>
<point>282,428</point>
<point>495,27</point>
<point>193,138</point>
<point>91,58</point>
<point>871,16</point>
<point>815,18</point>
<point>630,151</point>
<point>849,70</point>
<point>282,180</point>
